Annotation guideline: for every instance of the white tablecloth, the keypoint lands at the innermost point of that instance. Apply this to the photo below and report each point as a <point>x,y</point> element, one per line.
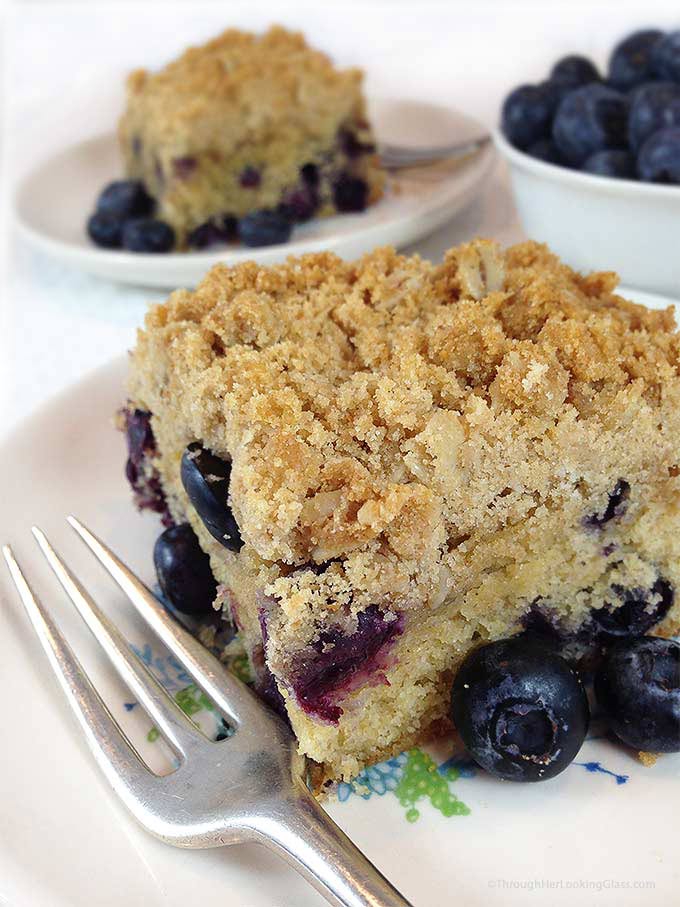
<point>62,59</point>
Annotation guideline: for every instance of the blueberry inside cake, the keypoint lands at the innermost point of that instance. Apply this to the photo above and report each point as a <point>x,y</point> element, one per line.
<point>246,135</point>
<point>390,462</point>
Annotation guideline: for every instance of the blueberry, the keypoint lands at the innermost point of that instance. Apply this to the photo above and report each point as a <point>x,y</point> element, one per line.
<point>310,174</point>
<point>250,177</point>
<point>264,228</point>
<point>105,230</point>
<point>590,119</point>
<point>139,471</point>
<point>665,57</point>
<point>206,481</point>
<point>124,199</point>
<point>520,709</point>
<point>617,502</point>
<point>322,674</point>
<point>545,150</point>
<point>300,203</point>
<point>615,163</point>
<point>638,686</point>
<point>573,71</point>
<point>630,62</point>
<point>639,611</point>
<point>659,157</point>
<point>351,145</point>
<point>216,230</point>
<point>147,235</point>
<point>183,571</point>
<point>527,114</point>
<point>654,106</point>
<point>350,193</point>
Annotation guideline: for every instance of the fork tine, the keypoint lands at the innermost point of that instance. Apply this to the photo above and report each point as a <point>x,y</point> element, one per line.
<point>114,753</point>
<point>229,693</point>
<point>172,722</point>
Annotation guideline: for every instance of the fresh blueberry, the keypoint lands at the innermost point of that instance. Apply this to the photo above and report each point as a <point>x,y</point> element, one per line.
<point>654,106</point>
<point>659,157</point>
<point>630,62</point>
<point>639,611</point>
<point>250,177</point>
<point>206,481</point>
<point>310,174</point>
<point>300,203</point>
<point>616,163</point>
<point>520,709</point>
<point>336,660</point>
<point>350,193</point>
<point>574,71</point>
<point>527,113</point>
<point>545,150</point>
<point>183,571</point>
<point>665,57</point>
<point>638,687</point>
<point>216,230</point>
<point>590,119</point>
<point>617,502</point>
<point>105,230</point>
<point>125,199</point>
<point>147,235</point>
<point>264,228</point>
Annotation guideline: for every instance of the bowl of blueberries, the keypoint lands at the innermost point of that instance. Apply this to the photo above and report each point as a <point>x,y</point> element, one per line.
<point>594,160</point>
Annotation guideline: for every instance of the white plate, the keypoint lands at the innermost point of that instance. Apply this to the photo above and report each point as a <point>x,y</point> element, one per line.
<point>54,201</point>
<point>587,837</point>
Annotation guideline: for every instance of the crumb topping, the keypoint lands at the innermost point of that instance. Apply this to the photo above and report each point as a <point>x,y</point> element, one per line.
<point>387,412</point>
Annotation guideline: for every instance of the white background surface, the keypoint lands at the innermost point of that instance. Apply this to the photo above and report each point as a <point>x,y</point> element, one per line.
<point>64,65</point>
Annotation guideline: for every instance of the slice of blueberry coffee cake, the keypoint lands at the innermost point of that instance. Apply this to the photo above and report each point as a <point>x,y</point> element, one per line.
<point>247,135</point>
<point>391,462</point>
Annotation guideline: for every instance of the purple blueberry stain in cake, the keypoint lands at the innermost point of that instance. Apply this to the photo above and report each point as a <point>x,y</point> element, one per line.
<point>184,167</point>
<point>299,203</point>
<point>140,473</point>
<point>639,611</point>
<point>250,177</point>
<point>352,146</point>
<point>350,193</point>
<point>338,663</point>
<point>616,506</point>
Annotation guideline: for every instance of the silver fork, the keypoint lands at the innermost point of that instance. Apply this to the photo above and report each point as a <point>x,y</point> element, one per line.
<point>247,788</point>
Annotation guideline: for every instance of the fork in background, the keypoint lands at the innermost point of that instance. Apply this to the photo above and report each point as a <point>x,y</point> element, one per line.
<point>247,788</point>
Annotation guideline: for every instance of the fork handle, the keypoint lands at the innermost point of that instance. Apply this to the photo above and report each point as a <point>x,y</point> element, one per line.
<point>307,838</point>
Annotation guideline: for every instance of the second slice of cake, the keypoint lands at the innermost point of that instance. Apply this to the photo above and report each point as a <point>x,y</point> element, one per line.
<point>390,462</point>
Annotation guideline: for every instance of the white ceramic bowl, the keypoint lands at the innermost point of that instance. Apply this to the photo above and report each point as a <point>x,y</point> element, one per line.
<point>597,223</point>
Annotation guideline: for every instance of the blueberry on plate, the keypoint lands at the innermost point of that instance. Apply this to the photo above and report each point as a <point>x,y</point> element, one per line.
<point>125,199</point>
<point>264,228</point>
<point>299,203</point>
<point>221,229</point>
<point>520,709</point>
<point>105,230</point>
<point>654,106</point>
<point>147,235</point>
<point>659,157</point>
<point>630,62</point>
<point>589,119</point>
<point>638,686</point>
<point>615,162</point>
<point>206,480</point>
<point>573,71</point>
<point>183,571</point>
<point>527,114</point>
<point>350,193</point>
<point>665,57</point>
